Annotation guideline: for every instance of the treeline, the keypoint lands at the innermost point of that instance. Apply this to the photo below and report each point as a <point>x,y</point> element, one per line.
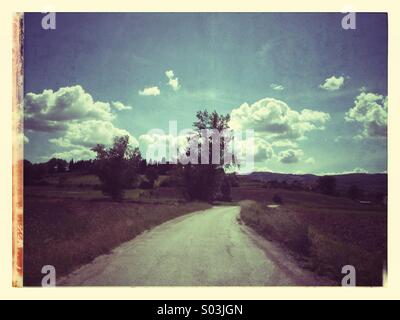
<point>328,185</point>
<point>34,173</point>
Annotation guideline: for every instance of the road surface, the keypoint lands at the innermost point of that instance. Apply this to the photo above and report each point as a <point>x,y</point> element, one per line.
<point>205,248</point>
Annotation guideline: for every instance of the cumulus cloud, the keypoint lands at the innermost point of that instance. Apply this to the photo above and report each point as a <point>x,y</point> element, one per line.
<point>276,120</point>
<point>150,91</point>
<point>173,81</point>
<point>120,106</point>
<point>262,150</point>
<point>157,145</point>
<point>284,143</point>
<point>310,160</point>
<point>370,110</point>
<point>78,154</point>
<point>77,122</point>
<point>290,155</point>
<point>89,133</point>
<point>277,87</point>
<point>50,110</point>
<point>333,83</point>
<point>277,126</point>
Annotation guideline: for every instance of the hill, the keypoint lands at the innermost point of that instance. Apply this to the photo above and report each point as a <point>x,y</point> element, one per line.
<point>376,182</point>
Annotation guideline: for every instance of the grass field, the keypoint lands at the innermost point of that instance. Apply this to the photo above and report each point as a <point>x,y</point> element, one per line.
<point>325,238</point>
<point>67,227</point>
<point>69,222</point>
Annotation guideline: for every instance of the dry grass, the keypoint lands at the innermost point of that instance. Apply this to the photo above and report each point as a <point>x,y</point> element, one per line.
<point>67,233</point>
<point>325,239</point>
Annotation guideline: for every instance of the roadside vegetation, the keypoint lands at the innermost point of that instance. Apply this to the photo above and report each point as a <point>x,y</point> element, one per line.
<point>69,232</point>
<point>324,238</point>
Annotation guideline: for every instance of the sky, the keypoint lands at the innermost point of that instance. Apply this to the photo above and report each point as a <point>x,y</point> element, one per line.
<point>315,94</point>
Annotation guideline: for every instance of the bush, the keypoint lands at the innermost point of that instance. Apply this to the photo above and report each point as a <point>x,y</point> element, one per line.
<point>277,199</point>
<point>117,166</point>
<point>151,175</point>
<point>166,183</point>
<point>145,185</point>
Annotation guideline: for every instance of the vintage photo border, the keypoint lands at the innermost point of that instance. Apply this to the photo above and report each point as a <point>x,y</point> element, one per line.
<point>11,118</point>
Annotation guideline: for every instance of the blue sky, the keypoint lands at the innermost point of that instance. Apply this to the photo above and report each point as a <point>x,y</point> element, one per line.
<point>284,62</point>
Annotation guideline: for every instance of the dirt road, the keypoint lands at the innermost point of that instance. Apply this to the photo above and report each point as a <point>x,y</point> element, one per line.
<point>205,248</point>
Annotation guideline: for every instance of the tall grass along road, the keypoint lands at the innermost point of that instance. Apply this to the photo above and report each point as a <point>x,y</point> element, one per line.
<point>210,247</point>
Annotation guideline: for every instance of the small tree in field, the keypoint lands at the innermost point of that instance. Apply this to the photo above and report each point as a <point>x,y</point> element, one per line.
<point>117,166</point>
<point>151,175</point>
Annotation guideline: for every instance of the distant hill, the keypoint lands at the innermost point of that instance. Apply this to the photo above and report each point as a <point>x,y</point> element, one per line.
<point>376,182</point>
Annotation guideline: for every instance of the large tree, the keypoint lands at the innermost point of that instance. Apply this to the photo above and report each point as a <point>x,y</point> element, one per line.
<point>202,181</point>
<point>117,166</point>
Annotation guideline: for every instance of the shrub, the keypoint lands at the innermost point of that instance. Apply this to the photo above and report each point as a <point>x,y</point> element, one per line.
<point>146,185</point>
<point>277,199</point>
<point>117,166</point>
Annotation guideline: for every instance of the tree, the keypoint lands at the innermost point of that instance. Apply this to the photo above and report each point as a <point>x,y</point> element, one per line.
<point>202,181</point>
<point>151,175</point>
<point>29,175</point>
<point>327,185</point>
<point>56,165</point>
<point>71,165</point>
<point>226,189</point>
<point>117,166</point>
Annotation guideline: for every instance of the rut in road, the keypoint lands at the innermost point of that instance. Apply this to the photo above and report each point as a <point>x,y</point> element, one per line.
<point>205,248</point>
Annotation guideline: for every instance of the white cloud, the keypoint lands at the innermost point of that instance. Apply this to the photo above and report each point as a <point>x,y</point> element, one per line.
<point>157,145</point>
<point>173,81</point>
<point>77,121</point>
<point>76,154</point>
<point>284,143</point>
<point>262,149</point>
<point>359,170</point>
<point>89,133</point>
<point>51,110</point>
<point>274,119</point>
<point>120,106</point>
<point>170,74</point>
<point>150,91</point>
<point>277,87</point>
<point>26,139</point>
<point>80,137</point>
<point>333,83</point>
<point>355,170</point>
<point>310,160</point>
<point>276,125</point>
<point>370,110</point>
<point>290,156</point>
